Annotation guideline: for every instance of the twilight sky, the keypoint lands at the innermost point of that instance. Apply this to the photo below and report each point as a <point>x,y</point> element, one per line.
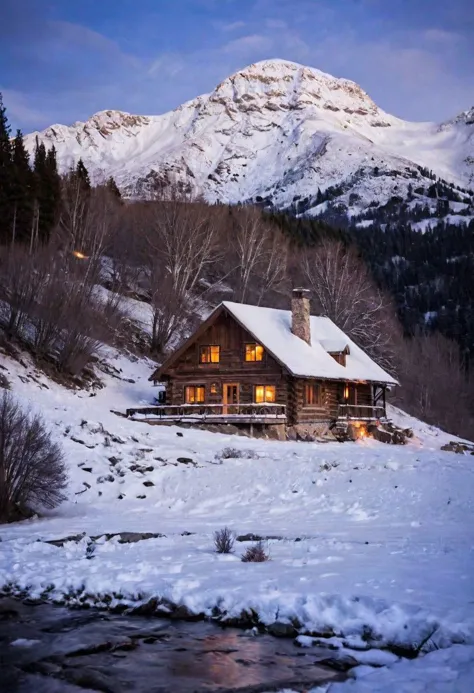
<point>62,61</point>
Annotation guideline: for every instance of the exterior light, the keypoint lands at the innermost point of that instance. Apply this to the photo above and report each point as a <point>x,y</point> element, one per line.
<point>79,255</point>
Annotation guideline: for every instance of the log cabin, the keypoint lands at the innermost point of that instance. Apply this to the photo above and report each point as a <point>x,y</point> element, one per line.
<point>248,364</point>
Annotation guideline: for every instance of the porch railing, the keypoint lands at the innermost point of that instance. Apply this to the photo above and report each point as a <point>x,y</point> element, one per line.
<point>205,412</point>
<point>361,412</point>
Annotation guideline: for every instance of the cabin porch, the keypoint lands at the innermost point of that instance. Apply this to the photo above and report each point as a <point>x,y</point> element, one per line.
<point>224,413</point>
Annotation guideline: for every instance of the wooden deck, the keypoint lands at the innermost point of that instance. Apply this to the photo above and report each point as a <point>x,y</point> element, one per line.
<point>360,412</point>
<point>213,413</point>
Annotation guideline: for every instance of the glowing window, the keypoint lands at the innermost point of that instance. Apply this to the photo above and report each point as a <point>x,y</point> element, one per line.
<point>209,354</point>
<point>213,388</point>
<point>194,394</point>
<point>253,352</point>
<point>265,394</point>
<point>312,394</point>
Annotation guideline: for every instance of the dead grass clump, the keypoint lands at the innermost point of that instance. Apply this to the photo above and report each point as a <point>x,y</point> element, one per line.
<point>235,454</point>
<point>256,554</point>
<point>224,540</point>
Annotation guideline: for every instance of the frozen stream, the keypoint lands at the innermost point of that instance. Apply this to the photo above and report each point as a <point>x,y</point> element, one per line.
<point>47,649</point>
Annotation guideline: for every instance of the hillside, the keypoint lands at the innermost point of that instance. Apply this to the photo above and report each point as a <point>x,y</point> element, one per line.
<point>275,133</point>
<point>368,542</point>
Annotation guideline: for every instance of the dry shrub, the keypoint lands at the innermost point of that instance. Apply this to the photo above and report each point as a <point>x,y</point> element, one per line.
<point>32,472</point>
<point>224,540</point>
<point>256,554</point>
<point>52,305</point>
<point>233,453</point>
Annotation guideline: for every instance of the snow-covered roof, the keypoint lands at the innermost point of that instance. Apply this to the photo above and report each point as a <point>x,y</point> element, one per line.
<point>335,346</point>
<point>272,328</point>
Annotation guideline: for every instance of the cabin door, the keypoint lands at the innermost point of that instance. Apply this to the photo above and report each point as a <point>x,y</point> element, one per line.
<point>230,398</point>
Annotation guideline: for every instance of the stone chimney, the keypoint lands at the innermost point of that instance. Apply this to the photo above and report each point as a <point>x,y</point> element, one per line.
<point>300,315</point>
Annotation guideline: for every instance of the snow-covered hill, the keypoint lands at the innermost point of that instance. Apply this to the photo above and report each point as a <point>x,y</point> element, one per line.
<point>369,542</point>
<point>275,131</point>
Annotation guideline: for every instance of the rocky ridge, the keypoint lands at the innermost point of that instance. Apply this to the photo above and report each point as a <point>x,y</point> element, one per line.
<point>275,133</point>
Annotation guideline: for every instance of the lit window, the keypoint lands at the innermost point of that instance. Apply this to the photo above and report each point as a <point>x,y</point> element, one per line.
<point>194,394</point>
<point>265,394</point>
<point>253,352</point>
<point>213,388</point>
<point>346,392</point>
<point>312,394</point>
<point>209,354</point>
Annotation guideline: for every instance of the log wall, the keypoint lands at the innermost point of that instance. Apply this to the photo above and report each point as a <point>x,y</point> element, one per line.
<point>232,367</point>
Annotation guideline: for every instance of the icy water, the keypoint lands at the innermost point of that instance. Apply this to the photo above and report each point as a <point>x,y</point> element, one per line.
<point>47,649</point>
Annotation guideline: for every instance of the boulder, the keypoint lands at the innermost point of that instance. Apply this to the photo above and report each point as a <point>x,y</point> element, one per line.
<point>282,630</point>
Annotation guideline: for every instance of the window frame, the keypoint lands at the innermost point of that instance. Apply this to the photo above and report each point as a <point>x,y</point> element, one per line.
<point>264,400</point>
<point>248,345</point>
<point>195,387</point>
<point>316,397</point>
<point>202,350</point>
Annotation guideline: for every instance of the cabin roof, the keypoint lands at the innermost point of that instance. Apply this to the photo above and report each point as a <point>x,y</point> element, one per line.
<point>271,327</point>
<point>335,346</point>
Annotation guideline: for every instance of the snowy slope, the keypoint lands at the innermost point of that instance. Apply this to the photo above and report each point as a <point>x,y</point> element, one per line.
<point>276,130</point>
<point>368,541</point>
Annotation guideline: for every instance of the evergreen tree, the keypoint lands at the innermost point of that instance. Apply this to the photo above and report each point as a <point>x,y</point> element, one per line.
<point>111,186</point>
<point>6,207</point>
<point>22,192</point>
<point>83,174</point>
<point>52,190</point>
<point>47,192</point>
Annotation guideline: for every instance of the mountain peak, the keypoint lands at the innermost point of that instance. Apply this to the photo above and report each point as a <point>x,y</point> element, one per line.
<point>284,85</point>
<point>274,132</point>
<point>282,67</point>
<point>112,119</point>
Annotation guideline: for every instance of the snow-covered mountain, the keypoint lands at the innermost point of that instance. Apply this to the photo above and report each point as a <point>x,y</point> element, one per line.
<point>275,131</point>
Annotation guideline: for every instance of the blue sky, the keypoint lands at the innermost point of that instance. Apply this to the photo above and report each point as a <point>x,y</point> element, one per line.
<point>62,61</point>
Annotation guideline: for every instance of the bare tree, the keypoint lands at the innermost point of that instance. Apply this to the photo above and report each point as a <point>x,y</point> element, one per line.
<point>344,291</point>
<point>127,248</point>
<point>74,217</point>
<point>32,471</point>
<point>434,386</point>
<point>52,303</point>
<point>256,254</point>
<point>19,286</point>
<point>87,221</point>
<point>181,246</point>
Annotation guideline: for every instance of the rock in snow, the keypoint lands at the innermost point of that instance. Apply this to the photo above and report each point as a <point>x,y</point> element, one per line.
<point>275,131</point>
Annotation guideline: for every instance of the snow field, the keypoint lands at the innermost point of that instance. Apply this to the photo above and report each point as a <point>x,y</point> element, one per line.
<point>371,544</point>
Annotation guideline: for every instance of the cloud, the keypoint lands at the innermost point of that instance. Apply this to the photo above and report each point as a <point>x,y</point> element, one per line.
<point>57,70</point>
<point>276,24</point>
<point>231,26</point>
<point>20,112</point>
<point>441,36</point>
<point>168,64</point>
<point>405,74</point>
<point>248,44</point>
